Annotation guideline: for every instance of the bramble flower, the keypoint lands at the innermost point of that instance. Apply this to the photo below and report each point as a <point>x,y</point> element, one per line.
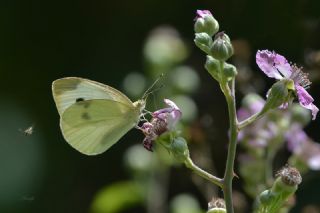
<point>162,121</point>
<point>276,66</point>
<point>286,128</point>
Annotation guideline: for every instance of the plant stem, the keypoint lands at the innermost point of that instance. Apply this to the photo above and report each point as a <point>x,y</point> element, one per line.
<point>251,119</point>
<point>189,164</point>
<point>229,172</point>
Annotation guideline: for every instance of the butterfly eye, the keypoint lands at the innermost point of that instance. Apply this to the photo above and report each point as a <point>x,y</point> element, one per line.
<point>79,99</point>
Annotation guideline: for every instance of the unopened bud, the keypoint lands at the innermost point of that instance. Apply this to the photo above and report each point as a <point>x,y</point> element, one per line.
<point>229,71</point>
<point>288,179</point>
<point>205,23</point>
<point>278,94</point>
<point>179,148</point>
<point>213,67</point>
<point>203,41</point>
<point>284,187</point>
<point>221,48</point>
<point>217,205</point>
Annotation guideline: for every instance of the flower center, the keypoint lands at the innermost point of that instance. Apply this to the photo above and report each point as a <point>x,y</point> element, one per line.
<point>298,76</point>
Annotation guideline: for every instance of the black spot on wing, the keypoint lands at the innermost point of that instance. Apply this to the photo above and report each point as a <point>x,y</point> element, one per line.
<point>85,116</point>
<point>79,99</point>
<point>82,102</point>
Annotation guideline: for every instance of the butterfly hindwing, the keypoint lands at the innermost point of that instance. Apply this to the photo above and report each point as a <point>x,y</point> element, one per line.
<point>93,126</point>
<point>67,91</point>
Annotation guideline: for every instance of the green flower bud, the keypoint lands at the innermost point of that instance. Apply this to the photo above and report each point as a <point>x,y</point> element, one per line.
<point>216,205</point>
<point>179,148</point>
<point>278,94</point>
<point>223,36</point>
<point>288,179</point>
<point>213,67</point>
<point>205,23</point>
<point>203,41</point>
<point>221,48</point>
<point>283,187</point>
<point>300,114</point>
<point>229,71</point>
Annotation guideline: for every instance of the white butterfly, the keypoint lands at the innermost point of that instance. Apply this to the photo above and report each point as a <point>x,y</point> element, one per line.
<point>93,116</point>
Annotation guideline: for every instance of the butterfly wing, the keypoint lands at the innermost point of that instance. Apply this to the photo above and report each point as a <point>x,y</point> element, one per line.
<point>93,126</point>
<point>67,91</point>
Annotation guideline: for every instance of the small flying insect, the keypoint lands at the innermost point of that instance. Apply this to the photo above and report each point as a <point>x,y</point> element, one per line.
<point>28,131</point>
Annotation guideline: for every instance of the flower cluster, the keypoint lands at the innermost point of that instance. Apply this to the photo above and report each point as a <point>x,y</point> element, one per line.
<point>218,49</point>
<point>277,127</point>
<point>162,121</point>
<point>276,66</point>
<point>304,149</point>
<point>265,137</point>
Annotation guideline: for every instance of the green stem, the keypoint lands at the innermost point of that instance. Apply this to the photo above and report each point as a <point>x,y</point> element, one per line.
<point>269,167</point>
<point>189,164</point>
<point>251,119</point>
<point>229,172</point>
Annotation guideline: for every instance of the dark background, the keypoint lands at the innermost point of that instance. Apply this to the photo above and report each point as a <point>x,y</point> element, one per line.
<point>41,41</point>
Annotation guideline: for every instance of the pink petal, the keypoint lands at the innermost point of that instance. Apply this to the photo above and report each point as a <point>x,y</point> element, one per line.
<point>171,104</point>
<point>202,13</point>
<point>296,138</point>
<point>159,113</point>
<point>306,100</point>
<point>171,115</point>
<point>272,64</point>
<point>282,65</point>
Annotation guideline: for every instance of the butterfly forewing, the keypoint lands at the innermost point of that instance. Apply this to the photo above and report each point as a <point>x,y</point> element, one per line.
<point>67,91</point>
<point>93,126</point>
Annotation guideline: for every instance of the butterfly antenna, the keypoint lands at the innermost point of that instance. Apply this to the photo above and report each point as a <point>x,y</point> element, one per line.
<point>148,91</point>
<point>151,92</point>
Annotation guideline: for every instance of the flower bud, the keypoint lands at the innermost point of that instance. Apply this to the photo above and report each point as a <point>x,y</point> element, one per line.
<point>203,41</point>
<point>229,71</point>
<point>217,205</point>
<point>278,94</point>
<point>221,48</point>
<point>205,23</point>
<point>288,179</point>
<point>284,187</point>
<point>213,67</point>
<point>179,148</point>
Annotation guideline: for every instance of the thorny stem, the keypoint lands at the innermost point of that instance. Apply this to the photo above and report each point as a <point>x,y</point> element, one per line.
<point>229,171</point>
<point>189,164</point>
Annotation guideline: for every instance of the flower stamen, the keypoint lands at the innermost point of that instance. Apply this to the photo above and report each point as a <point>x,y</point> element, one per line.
<point>300,77</point>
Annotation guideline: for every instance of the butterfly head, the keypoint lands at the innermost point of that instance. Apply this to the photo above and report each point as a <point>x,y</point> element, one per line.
<point>140,104</point>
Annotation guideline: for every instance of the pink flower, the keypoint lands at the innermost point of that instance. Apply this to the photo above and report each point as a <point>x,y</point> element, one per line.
<point>276,66</point>
<point>303,147</point>
<point>170,115</point>
<point>163,120</point>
